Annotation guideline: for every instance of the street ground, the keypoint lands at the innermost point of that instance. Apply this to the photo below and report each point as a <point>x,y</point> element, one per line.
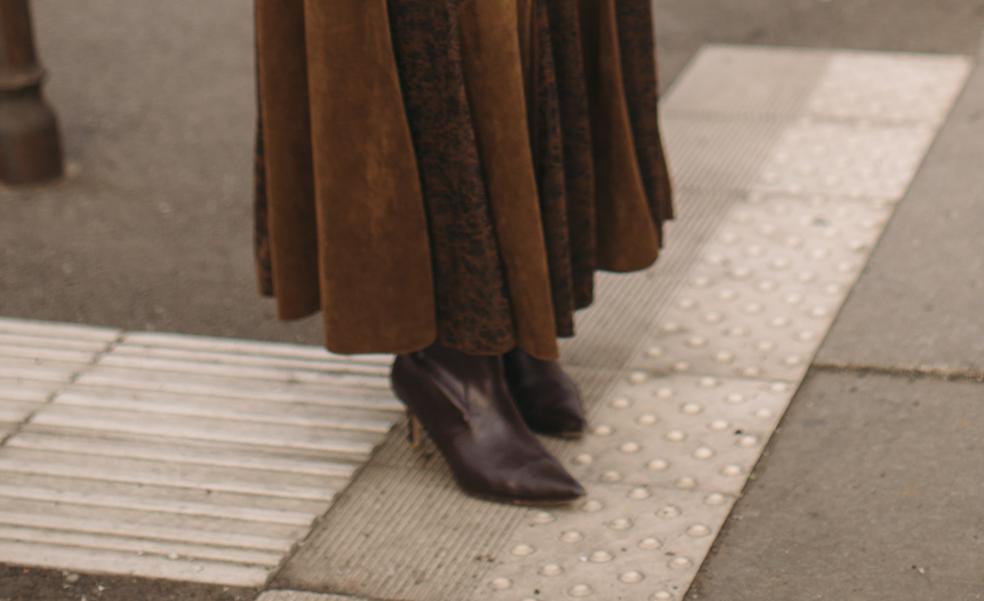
<point>867,490</point>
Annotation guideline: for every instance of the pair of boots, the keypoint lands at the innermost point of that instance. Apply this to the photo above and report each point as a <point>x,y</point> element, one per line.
<point>479,411</point>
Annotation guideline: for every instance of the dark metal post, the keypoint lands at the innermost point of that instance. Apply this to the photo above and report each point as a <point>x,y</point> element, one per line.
<point>30,149</point>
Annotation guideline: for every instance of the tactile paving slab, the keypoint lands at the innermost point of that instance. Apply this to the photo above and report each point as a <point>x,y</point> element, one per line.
<point>303,596</point>
<point>177,457</point>
<point>757,82</point>
<point>695,365</point>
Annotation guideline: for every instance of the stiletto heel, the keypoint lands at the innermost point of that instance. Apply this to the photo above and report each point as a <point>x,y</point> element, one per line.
<point>470,417</point>
<point>415,432</point>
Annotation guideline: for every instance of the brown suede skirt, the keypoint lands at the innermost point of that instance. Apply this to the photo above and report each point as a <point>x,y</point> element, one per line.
<point>454,171</point>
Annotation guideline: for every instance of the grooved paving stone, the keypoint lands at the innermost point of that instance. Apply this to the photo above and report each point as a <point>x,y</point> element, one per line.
<point>302,596</point>
<point>718,154</point>
<point>919,304</point>
<point>845,159</point>
<point>37,359</point>
<point>424,539</point>
<point>878,481</point>
<point>173,457</point>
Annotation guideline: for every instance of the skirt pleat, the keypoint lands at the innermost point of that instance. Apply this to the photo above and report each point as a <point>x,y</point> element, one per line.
<point>492,155</point>
<point>638,50</point>
<point>575,134</point>
<point>547,143</point>
<point>467,270</point>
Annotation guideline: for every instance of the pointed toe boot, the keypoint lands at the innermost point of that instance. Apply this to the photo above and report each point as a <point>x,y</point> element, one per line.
<point>547,398</point>
<point>464,405</point>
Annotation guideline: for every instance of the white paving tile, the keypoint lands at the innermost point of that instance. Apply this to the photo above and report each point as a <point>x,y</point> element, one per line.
<point>883,87</point>
<point>45,329</point>
<point>845,159</point>
<point>172,456</point>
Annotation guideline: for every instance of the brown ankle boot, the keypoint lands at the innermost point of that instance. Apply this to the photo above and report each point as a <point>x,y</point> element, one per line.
<point>546,396</point>
<point>463,403</point>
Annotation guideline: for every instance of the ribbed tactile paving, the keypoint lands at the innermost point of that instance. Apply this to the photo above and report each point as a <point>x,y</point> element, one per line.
<point>171,456</point>
<point>687,369</point>
<point>302,596</point>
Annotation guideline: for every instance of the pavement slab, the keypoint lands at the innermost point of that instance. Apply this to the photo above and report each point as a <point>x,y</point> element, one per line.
<point>943,26</point>
<point>181,458</point>
<point>871,490</point>
<point>919,304</point>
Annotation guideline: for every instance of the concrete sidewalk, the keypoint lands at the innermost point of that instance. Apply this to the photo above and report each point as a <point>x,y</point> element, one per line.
<point>788,165</point>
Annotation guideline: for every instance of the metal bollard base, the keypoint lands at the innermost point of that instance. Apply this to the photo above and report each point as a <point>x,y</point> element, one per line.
<point>30,147</point>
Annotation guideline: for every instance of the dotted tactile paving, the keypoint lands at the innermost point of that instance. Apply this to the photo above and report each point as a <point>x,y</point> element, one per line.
<point>684,432</point>
<point>855,160</point>
<point>888,88</point>
<point>674,439</point>
<point>766,288</point>
<point>623,542</point>
<point>304,596</point>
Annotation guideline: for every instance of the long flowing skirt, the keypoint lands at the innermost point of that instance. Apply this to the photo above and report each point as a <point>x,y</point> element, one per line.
<point>454,171</point>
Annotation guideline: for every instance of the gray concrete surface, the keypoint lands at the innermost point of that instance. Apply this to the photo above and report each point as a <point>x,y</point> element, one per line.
<point>871,490</point>
<point>949,26</point>
<point>153,229</point>
<point>920,303</point>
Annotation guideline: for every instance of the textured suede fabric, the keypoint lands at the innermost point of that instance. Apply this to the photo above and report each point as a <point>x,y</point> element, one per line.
<point>292,244</point>
<point>627,236</point>
<point>637,43</point>
<point>344,203</point>
<point>495,76</point>
<point>454,170</point>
